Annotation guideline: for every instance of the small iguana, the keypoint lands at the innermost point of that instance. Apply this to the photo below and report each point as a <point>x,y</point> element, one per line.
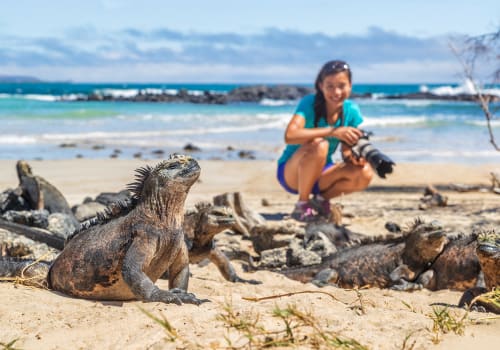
<point>200,226</point>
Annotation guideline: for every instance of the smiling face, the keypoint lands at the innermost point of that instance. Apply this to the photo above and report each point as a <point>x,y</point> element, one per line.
<point>336,88</point>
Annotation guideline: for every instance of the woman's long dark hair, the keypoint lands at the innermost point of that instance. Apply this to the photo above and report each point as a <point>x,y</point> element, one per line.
<point>329,68</point>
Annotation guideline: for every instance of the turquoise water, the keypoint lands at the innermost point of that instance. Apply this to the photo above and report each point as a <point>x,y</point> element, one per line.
<point>35,123</point>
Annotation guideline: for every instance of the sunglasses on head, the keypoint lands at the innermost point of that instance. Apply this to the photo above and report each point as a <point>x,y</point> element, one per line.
<point>336,66</point>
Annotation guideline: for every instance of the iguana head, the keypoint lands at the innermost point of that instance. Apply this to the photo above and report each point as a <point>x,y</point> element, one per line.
<point>424,244</point>
<point>174,175</point>
<point>489,243</point>
<point>202,224</point>
<point>488,252</point>
<point>23,169</point>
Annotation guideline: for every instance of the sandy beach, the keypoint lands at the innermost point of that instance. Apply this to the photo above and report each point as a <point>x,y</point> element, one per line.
<point>376,319</point>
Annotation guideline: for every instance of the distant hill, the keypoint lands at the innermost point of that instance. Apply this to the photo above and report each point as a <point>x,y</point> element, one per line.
<point>18,79</point>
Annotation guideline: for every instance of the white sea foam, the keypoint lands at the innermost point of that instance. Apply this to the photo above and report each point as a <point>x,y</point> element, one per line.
<point>423,88</point>
<point>467,87</point>
<point>71,97</point>
<point>171,91</point>
<point>493,123</point>
<point>46,98</point>
<point>394,121</point>
<point>117,93</point>
<point>18,139</point>
<point>444,153</point>
<point>151,91</point>
<point>130,93</point>
<point>402,102</point>
<point>276,103</point>
<point>130,135</point>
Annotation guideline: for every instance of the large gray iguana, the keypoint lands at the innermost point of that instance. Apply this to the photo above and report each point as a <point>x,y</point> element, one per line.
<point>121,255</point>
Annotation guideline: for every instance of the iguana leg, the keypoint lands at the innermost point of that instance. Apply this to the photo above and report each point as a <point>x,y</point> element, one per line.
<point>402,272</point>
<point>225,267</point>
<point>142,286</point>
<point>326,277</point>
<point>401,277</point>
<point>428,280</point>
<point>469,295</point>
<point>405,286</point>
<point>179,277</point>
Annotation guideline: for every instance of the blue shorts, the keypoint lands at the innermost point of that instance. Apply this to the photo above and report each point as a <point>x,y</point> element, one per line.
<point>280,174</point>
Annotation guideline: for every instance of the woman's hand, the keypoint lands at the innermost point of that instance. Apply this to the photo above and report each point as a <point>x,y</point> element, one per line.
<point>349,157</point>
<point>347,134</point>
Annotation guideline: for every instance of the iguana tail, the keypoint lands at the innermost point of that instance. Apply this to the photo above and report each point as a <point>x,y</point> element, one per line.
<point>24,271</point>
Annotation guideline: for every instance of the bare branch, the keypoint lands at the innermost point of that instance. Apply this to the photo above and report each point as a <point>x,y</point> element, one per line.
<point>475,48</point>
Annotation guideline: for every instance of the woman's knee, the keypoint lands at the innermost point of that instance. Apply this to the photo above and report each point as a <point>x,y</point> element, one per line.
<point>314,151</point>
<point>318,147</point>
<point>365,176</point>
<point>360,177</point>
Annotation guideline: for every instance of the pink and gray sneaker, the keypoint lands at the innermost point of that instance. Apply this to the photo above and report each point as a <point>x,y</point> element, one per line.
<point>303,212</point>
<point>322,206</point>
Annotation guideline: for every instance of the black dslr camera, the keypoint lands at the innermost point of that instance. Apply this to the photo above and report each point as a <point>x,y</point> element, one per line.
<point>379,161</point>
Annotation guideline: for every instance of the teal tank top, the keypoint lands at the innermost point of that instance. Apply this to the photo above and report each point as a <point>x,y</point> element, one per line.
<point>305,108</point>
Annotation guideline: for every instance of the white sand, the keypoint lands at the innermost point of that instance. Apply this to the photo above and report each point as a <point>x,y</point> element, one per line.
<point>41,319</point>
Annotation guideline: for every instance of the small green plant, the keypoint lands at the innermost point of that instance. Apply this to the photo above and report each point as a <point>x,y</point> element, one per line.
<point>445,322</point>
<point>296,328</point>
<point>9,345</point>
<point>410,345</point>
<point>409,306</point>
<point>246,324</point>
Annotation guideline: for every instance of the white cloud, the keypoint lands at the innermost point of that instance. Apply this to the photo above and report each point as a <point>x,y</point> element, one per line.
<point>275,55</point>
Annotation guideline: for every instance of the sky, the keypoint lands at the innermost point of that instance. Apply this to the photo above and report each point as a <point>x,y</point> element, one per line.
<point>234,41</point>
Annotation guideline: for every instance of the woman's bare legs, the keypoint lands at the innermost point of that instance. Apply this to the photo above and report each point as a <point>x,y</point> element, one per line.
<point>304,168</point>
<point>345,178</point>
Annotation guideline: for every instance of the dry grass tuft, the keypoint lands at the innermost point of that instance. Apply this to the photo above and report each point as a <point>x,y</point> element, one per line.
<point>9,345</point>
<point>296,328</point>
<point>445,322</point>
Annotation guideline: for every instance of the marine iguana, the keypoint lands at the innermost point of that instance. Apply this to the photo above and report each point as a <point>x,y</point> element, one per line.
<point>488,253</point>
<point>120,255</point>
<point>457,266</point>
<point>41,194</point>
<point>381,262</point>
<point>200,227</point>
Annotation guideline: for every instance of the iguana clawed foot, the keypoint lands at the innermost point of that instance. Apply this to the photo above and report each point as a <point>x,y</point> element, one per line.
<point>242,280</point>
<point>175,296</point>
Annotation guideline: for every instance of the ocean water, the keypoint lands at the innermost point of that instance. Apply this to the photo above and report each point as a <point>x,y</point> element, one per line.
<point>36,123</point>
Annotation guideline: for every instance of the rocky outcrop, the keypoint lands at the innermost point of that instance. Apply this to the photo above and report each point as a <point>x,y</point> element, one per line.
<point>257,93</point>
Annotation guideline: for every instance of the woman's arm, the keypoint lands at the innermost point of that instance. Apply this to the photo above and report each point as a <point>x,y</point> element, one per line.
<point>296,133</point>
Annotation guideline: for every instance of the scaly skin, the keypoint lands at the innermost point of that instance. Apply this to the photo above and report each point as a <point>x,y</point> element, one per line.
<point>395,263</point>
<point>201,226</point>
<point>488,253</point>
<point>456,268</point>
<point>121,258</point>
